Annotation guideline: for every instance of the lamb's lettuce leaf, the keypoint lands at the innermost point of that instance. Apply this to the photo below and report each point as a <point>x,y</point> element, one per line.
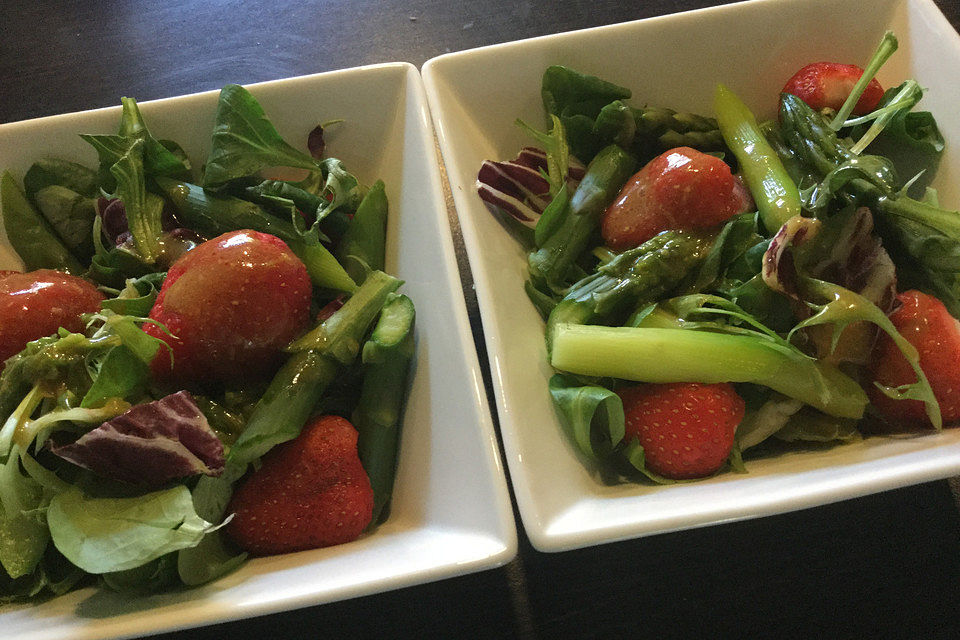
<point>103,535</point>
<point>591,415</point>
<point>245,141</point>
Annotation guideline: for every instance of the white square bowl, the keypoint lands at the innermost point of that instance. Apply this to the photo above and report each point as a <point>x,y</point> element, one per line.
<point>673,61</point>
<point>451,510</point>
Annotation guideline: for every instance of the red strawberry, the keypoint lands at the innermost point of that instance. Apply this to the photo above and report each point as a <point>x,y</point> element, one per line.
<point>827,84</point>
<point>310,492</point>
<point>680,189</point>
<point>686,429</point>
<point>928,326</point>
<point>36,304</point>
<point>233,302</point>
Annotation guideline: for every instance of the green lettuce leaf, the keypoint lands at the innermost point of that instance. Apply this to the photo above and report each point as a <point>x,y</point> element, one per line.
<point>592,416</point>
<point>245,141</point>
<point>103,535</point>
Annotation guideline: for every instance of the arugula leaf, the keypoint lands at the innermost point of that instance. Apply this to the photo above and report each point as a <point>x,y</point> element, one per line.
<point>147,578</point>
<point>126,160</point>
<point>634,455</point>
<point>366,237</point>
<point>911,139</point>
<point>577,99</point>
<point>340,187</point>
<point>163,158</point>
<point>211,558</point>
<point>47,172</point>
<point>245,141</point>
<point>810,425</point>
<point>137,296</point>
<point>102,535</point>
<point>566,92</point>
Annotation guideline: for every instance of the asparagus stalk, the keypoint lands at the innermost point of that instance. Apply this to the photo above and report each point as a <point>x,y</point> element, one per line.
<point>297,387</point>
<point>775,193</point>
<point>212,215</point>
<point>640,274</point>
<point>606,174</point>
<point>386,364</point>
<point>700,356</point>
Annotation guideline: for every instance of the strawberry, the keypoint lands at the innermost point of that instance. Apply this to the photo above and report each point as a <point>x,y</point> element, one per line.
<point>680,189</point>
<point>827,84</point>
<point>36,304</point>
<point>686,429</point>
<point>928,326</point>
<point>310,492</point>
<point>232,303</point>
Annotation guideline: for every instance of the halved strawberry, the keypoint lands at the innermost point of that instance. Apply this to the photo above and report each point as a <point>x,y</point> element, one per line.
<point>827,84</point>
<point>680,189</point>
<point>928,326</point>
<point>686,429</point>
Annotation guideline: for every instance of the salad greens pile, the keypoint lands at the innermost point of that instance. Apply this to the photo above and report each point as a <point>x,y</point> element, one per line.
<point>844,215</point>
<point>105,471</point>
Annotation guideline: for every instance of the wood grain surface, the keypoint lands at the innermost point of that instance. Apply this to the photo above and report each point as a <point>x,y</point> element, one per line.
<point>883,566</point>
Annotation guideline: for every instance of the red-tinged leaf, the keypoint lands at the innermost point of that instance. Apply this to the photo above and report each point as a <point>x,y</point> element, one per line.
<point>150,444</point>
<point>316,143</point>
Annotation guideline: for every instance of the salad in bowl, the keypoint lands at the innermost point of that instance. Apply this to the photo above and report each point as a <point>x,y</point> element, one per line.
<point>713,286</point>
<point>201,364</point>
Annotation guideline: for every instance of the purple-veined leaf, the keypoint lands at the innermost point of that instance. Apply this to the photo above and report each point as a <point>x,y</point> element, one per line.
<point>150,444</point>
<point>519,187</point>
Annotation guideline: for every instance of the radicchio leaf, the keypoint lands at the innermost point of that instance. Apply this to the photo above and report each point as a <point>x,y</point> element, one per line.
<point>316,143</point>
<point>519,187</point>
<point>835,306</point>
<point>150,444</point>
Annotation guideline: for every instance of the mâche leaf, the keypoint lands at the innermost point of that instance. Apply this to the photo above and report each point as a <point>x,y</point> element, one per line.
<point>591,415</point>
<point>245,141</point>
<point>23,533</point>
<point>102,535</point>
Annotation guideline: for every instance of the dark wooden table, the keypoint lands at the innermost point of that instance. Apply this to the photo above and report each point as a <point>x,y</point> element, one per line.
<point>884,566</point>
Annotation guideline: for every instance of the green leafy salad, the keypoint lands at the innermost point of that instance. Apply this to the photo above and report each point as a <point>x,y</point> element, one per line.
<point>715,287</point>
<point>175,328</point>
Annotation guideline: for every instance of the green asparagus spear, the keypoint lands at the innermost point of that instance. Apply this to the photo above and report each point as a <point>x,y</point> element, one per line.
<point>386,364</point>
<point>606,174</point>
<point>636,275</point>
<point>298,385</point>
<point>773,190</point>
<point>671,129</point>
<point>702,356</point>
<point>213,214</point>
